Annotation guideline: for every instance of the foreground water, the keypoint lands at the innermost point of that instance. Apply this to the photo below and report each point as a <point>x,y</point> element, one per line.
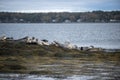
<point>105,35</point>
<point>83,70</point>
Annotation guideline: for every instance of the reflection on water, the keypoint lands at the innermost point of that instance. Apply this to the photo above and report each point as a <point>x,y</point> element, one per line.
<point>85,70</point>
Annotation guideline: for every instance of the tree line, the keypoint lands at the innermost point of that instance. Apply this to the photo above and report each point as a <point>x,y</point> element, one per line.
<point>60,17</point>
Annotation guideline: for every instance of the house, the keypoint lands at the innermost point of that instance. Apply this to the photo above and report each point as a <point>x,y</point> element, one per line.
<point>79,20</point>
<point>3,38</point>
<point>53,20</point>
<point>67,21</point>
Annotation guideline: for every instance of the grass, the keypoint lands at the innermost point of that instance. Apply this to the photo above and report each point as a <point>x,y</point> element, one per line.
<point>22,57</point>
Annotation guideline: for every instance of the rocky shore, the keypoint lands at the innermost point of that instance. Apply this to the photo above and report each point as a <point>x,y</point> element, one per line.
<point>27,54</point>
<point>68,45</point>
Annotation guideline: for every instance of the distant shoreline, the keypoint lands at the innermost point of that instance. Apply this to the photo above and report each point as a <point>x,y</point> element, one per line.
<point>64,23</point>
<point>69,23</point>
<point>60,17</point>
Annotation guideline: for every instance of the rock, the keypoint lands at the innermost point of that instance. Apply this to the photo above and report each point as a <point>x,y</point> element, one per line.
<point>68,45</point>
<point>56,43</point>
<point>25,39</point>
<point>44,40</point>
<point>45,43</point>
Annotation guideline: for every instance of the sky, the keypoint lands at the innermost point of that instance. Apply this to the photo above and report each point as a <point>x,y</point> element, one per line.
<point>58,5</point>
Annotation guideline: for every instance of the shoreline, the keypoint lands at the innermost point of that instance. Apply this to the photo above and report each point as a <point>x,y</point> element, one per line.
<point>19,56</point>
<point>66,44</point>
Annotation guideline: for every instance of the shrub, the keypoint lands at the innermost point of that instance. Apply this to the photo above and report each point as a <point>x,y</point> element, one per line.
<point>62,54</point>
<point>42,53</point>
<point>15,67</point>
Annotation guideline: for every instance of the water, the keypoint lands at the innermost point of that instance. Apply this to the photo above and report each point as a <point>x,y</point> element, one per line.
<point>105,35</point>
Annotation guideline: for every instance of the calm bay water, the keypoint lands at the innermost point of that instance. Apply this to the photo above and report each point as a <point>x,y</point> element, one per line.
<point>105,35</point>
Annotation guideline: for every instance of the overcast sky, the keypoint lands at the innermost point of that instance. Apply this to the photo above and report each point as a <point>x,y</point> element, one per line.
<point>58,5</point>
